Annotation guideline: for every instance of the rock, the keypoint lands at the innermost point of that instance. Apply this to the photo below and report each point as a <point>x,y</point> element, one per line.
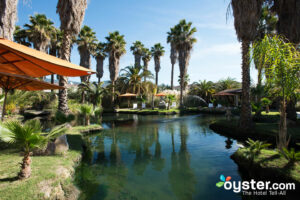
<point>36,113</point>
<point>61,144</point>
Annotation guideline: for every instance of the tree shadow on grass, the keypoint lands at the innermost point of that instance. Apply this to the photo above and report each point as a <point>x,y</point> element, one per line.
<point>273,157</point>
<point>9,179</point>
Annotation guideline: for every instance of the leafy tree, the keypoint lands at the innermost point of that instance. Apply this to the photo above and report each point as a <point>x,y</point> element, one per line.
<point>137,50</point>
<point>281,61</point>
<point>115,48</point>
<point>157,51</point>
<point>246,19</point>
<point>184,40</point>
<point>71,14</point>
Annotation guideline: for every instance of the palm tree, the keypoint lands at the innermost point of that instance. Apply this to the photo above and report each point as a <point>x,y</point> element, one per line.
<point>173,54</point>
<point>184,40</point>
<point>115,48</point>
<point>204,89</point>
<point>133,78</point>
<point>71,14</point>
<point>28,136</point>
<point>246,19</point>
<point>20,36</point>
<point>137,50</point>
<point>39,31</point>
<point>86,110</point>
<point>228,83</point>
<point>95,92</point>
<point>100,55</point>
<point>8,18</point>
<point>157,51</point>
<point>55,45</point>
<point>86,42</point>
<point>146,57</point>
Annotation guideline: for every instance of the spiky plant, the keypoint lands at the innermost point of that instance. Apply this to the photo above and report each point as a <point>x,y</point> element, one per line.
<point>86,110</point>
<point>71,14</point>
<point>157,51</point>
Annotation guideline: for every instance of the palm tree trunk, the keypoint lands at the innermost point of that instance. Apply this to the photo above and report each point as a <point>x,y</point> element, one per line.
<point>65,55</point>
<point>156,78</point>
<point>181,92</point>
<point>25,167</point>
<point>172,77</point>
<point>113,93</point>
<point>99,80</point>
<point>282,136</point>
<point>245,116</point>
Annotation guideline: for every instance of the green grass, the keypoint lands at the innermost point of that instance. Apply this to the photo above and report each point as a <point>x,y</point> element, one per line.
<point>270,161</point>
<point>47,171</point>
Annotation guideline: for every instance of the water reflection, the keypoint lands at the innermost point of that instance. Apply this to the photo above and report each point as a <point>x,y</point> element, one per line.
<point>150,157</point>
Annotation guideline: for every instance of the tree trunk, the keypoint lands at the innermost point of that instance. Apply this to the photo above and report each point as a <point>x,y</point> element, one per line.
<point>25,167</point>
<point>87,120</point>
<point>156,78</point>
<point>82,97</point>
<point>245,116</point>
<point>65,55</point>
<point>181,92</point>
<point>172,77</point>
<point>283,140</point>
<point>152,101</point>
<point>113,94</point>
<point>291,108</point>
<point>99,80</point>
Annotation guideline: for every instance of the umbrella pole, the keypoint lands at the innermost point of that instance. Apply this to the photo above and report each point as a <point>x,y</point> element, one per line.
<point>4,104</point>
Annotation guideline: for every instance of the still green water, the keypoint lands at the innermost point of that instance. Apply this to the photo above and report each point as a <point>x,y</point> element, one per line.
<point>156,157</point>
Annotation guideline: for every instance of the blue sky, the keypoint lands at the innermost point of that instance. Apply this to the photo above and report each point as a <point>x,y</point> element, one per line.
<point>216,55</point>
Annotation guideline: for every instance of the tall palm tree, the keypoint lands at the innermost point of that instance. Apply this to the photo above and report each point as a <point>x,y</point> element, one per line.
<point>39,31</point>
<point>184,40</point>
<point>8,18</point>
<point>71,14</point>
<point>146,57</point>
<point>100,55</point>
<point>115,48</point>
<point>86,42</point>
<point>55,45</point>
<point>173,53</point>
<point>157,51</point>
<point>137,50</point>
<point>246,19</point>
<point>20,36</point>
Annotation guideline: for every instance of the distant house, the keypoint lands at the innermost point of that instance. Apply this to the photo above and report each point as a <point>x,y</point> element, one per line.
<point>232,96</point>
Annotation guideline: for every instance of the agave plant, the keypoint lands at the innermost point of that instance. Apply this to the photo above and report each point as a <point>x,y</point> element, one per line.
<point>255,148</point>
<point>291,155</point>
<point>28,136</point>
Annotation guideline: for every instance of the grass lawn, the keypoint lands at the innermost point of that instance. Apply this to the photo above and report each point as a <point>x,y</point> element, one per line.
<point>51,175</point>
<point>269,162</point>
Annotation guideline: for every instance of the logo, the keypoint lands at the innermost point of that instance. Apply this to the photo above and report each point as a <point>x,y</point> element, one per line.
<point>223,180</point>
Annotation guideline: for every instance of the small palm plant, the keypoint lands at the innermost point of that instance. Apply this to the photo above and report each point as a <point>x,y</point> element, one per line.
<point>170,98</point>
<point>266,102</point>
<point>291,155</point>
<point>255,148</point>
<point>28,136</point>
<point>86,110</point>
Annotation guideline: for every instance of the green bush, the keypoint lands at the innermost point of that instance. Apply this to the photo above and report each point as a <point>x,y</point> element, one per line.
<point>62,118</point>
<point>290,155</point>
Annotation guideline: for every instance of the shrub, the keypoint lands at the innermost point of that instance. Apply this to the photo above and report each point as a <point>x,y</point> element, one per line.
<point>10,108</point>
<point>290,155</point>
<point>254,148</point>
<point>62,118</point>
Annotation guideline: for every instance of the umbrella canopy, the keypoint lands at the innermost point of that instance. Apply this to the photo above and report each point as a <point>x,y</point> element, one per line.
<point>12,81</point>
<point>19,59</point>
<point>160,94</point>
<point>128,95</point>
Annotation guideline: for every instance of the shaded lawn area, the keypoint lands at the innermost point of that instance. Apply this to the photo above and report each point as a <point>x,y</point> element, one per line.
<point>260,131</point>
<point>271,163</point>
<point>50,174</point>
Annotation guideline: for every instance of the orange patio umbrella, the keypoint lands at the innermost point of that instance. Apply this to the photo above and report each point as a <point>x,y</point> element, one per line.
<point>160,94</point>
<point>19,59</point>
<point>13,81</point>
<point>128,95</point>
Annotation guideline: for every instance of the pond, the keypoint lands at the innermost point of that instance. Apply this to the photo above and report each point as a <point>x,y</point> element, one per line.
<point>157,157</point>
